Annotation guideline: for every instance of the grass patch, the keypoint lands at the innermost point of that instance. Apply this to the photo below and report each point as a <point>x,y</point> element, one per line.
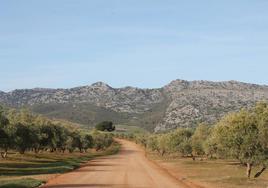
<point>21,183</point>
<point>16,169</point>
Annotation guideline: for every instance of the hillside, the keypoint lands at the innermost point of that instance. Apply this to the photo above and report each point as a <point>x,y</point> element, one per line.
<point>178,104</point>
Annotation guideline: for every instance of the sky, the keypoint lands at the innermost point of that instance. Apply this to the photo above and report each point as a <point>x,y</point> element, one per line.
<point>141,43</point>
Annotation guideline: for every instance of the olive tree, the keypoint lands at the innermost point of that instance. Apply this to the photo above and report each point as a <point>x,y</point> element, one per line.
<point>87,142</point>
<point>101,140</point>
<point>237,135</point>
<point>23,137</point>
<point>261,113</point>
<point>163,144</point>
<point>199,138</point>
<point>152,143</point>
<point>180,141</point>
<point>4,136</point>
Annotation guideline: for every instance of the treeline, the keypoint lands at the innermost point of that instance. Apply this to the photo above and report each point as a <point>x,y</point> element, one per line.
<point>242,136</point>
<point>23,131</point>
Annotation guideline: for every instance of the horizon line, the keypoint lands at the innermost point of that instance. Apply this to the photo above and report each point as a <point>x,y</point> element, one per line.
<point>72,87</point>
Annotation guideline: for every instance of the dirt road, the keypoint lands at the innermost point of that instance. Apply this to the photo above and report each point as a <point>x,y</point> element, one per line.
<point>127,169</point>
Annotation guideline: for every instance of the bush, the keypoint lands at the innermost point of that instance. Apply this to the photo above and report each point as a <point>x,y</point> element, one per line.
<point>105,126</point>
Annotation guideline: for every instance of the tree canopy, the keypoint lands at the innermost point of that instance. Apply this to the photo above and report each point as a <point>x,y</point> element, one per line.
<point>22,131</point>
<point>105,126</point>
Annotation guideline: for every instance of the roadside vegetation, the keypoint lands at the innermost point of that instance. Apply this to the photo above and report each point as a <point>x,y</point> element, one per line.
<point>32,146</point>
<point>239,138</point>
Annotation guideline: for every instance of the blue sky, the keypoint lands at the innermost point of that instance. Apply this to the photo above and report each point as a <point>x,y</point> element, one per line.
<point>142,43</point>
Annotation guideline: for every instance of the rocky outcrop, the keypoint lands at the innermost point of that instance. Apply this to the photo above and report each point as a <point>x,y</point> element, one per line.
<point>128,99</point>
<point>203,101</point>
<point>182,103</point>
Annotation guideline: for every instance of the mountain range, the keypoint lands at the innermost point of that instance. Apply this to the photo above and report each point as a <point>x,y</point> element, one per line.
<point>180,103</point>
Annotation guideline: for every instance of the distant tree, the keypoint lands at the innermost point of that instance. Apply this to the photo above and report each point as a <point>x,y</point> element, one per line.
<point>101,140</point>
<point>48,136</point>
<point>87,142</point>
<point>61,137</point>
<point>36,138</point>
<point>5,137</point>
<point>3,119</point>
<point>142,139</point>
<point>77,140</point>
<point>105,126</point>
<point>180,141</point>
<point>69,144</point>
<point>23,137</point>
<point>152,143</point>
<point>4,142</point>
<point>199,138</point>
<point>210,145</point>
<point>163,144</point>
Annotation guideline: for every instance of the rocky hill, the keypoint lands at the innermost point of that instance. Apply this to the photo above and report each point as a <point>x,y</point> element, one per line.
<point>178,104</point>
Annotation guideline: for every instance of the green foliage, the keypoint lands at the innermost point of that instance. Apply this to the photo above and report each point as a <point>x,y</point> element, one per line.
<point>3,120</point>
<point>243,135</point>
<point>163,142</point>
<point>198,139</point>
<point>23,131</point>
<point>87,142</point>
<point>180,141</point>
<point>23,137</point>
<point>105,126</point>
<point>152,143</point>
<point>141,139</point>
<point>101,140</point>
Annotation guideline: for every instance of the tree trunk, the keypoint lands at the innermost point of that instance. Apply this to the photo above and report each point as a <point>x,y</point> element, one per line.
<point>193,157</point>
<point>260,172</point>
<point>249,167</point>
<point>37,150</point>
<point>22,150</point>
<point>4,154</point>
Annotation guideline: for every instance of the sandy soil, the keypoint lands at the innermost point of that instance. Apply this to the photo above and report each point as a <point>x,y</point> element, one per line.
<point>127,169</point>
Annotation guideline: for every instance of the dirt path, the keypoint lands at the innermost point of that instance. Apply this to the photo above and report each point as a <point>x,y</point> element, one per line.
<point>127,169</point>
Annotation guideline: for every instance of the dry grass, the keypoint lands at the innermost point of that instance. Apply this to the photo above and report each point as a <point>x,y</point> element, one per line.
<point>212,173</point>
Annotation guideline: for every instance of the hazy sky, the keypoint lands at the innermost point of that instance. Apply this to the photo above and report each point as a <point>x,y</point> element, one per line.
<point>143,43</point>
